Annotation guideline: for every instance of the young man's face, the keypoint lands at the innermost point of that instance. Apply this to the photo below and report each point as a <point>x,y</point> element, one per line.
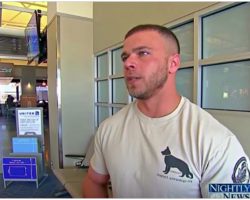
<point>145,59</point>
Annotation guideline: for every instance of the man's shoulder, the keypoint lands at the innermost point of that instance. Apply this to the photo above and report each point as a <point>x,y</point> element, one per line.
<point>204,119</point>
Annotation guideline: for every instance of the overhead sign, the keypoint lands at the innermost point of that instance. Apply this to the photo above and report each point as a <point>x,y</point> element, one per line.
<point>29,121</point>
<point>6,69</point>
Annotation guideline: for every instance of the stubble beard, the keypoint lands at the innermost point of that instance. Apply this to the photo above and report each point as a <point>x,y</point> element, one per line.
<point>155,81</point>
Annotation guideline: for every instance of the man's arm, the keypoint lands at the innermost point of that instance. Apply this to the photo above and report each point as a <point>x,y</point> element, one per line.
<point>95,184</point>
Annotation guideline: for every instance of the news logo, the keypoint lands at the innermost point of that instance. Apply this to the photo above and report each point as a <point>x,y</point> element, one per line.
<point>241,173</point>
<point>229,190</point>
<point>240,188</point>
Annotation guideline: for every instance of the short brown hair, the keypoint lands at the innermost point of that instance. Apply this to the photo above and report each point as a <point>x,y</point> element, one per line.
<point>160,29</point>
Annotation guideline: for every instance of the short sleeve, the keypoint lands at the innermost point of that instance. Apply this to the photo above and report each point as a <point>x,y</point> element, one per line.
<point>97,161</point>
<point>229,164</point>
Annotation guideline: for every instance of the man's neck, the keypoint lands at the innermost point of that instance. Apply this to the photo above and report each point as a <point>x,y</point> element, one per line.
<point>159,107</point>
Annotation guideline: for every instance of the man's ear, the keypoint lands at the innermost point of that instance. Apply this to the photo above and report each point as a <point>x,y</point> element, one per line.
<point>173,63</point>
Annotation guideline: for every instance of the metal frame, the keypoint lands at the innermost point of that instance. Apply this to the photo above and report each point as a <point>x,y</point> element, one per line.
<point>59,93</point>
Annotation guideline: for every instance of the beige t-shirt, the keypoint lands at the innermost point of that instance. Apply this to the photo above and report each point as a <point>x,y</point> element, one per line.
<point>174,156</point>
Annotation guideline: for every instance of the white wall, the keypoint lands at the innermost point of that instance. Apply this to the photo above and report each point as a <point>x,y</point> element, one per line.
<point>71,85</point>
<point>77,72</point>
<point>81,9</point>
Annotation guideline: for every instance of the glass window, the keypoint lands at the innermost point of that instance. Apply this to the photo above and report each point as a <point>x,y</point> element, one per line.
<point>226,32</point>
<point>184,82</point>
<point>119,91</point>
<point>9,88</point>
<point>226,86</point>
<point>102,66</point>
<point>115,110</point>
<point>102,113</point>
<point>103,91</point>
<point>185,35</point>
<point>117,61</point>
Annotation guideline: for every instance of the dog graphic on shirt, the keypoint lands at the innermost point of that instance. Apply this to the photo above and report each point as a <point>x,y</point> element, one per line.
<point>173,162</point>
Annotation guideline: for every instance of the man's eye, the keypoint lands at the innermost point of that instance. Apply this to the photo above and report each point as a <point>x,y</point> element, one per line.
<point>143,53</point>
<point>124,57</point>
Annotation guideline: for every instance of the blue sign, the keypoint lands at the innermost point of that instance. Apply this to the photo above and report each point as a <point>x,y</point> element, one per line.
<point>230,190</point>
<point>235,188</point>
<point>25,145</point>
<point>15,168</point>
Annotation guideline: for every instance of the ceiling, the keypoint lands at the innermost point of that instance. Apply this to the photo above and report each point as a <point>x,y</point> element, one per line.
<point>15,17</point>
<point>18,14</point>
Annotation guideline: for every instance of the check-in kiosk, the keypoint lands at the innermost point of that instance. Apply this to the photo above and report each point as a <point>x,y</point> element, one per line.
<point>26,162</point>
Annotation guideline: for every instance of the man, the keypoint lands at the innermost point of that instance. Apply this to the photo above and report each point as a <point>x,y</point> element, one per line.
<point>161,145</point>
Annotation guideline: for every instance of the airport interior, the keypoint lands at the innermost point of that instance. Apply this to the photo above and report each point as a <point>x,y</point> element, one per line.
<point>61,76</point>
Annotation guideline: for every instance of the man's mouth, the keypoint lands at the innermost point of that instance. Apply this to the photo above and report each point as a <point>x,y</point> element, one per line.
<point>132,78</point>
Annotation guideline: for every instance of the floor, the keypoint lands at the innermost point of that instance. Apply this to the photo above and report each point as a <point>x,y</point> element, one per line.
<point>18,189</point>
<point>49,188</point>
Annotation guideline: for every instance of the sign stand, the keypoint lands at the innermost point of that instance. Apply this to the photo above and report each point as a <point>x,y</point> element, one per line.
<point>27,166</point>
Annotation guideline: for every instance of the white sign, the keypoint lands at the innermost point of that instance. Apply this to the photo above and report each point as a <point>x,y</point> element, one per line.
<point>29,121</point>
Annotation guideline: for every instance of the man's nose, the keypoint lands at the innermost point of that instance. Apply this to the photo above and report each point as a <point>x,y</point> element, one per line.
<point>130,62</point>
